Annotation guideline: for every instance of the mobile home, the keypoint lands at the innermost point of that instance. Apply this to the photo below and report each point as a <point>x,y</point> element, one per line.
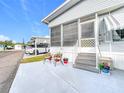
<point>85,30</point>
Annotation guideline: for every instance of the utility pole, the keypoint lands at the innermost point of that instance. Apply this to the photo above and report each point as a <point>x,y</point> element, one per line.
<point>23,42</point>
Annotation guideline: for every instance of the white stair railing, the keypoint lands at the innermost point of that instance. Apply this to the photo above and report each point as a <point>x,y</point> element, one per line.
<point>76,49</point>
<point>100,54</point>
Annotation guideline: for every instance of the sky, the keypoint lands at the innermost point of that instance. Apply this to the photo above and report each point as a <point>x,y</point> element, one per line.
<point>21,19</point>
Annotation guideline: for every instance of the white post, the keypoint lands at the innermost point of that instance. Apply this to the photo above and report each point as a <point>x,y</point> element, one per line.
<point>79,33</point>
<point>61,37</point>
<point>96,39</point>
<point>110,44</point>
<point>35,46</point>
<point>50,37</point>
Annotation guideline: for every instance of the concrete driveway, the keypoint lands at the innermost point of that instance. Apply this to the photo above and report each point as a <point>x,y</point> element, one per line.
<point>9,63</point>
<point>45,78</point>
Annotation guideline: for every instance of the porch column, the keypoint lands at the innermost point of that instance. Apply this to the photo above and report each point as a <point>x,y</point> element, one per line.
<point>111,41</point>
<point>61,35</point>
<point>79,33</point>
<point>61,38</point>
<point>50,37</point>
<point>97,39</point>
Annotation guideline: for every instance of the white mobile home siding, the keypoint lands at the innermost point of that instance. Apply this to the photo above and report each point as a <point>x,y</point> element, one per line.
<point>84,8</point>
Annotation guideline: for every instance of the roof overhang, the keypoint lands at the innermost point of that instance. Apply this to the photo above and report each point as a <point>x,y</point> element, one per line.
<point>61,9</point>
<point>70,3</point>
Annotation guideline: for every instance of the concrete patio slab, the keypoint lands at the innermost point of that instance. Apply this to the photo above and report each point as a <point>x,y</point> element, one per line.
<point>45,78</point>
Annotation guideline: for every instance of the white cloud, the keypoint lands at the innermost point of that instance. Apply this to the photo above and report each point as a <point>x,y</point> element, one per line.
<point>24,6</point>
<point>47,36</point>
<point>14,41</point>
<point>3,38</point>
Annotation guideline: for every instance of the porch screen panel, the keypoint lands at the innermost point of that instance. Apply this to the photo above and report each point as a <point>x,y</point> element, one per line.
<point>70,34</point>
<point>87,35</point>
<point>56,36</point>
<point>87,30</point>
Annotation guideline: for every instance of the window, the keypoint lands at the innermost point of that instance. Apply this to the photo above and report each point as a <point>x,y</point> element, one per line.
<point>70,34</point>
<point>118,35</point>
<point>56,36</point>
<point>87,30</point>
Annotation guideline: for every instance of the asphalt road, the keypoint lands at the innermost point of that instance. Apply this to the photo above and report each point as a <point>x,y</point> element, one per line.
<point>9,63</point>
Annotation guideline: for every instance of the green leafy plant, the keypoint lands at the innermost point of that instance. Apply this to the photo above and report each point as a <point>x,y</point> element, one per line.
<point>104,67</point>
<point>101,66</point>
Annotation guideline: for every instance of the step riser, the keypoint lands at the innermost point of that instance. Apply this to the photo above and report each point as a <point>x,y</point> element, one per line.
<point>93,55</point>
<point>88,68</point>
<point>88,64</point>
<point>83,58</point>
<point>87,55</point>
<point>90,57</point>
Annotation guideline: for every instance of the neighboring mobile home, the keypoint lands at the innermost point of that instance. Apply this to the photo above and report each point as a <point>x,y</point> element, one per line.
<point>18,47</point>
<point>38,44</point>
<point>85,30</point>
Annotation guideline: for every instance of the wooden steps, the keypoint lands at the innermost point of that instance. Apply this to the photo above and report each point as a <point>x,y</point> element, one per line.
<point>86,61</point>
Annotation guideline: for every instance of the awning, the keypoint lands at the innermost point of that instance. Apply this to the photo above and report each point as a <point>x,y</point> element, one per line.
<point>114,22</point>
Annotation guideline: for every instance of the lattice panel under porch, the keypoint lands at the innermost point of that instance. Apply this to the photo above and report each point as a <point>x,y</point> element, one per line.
<point>88,43</point>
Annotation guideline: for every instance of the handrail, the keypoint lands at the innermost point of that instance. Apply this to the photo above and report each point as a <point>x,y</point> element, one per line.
<point>76,48</point>
<point>99,51</point>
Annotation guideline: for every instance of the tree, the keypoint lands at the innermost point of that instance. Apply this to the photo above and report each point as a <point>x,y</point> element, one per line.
<point>7,43</point>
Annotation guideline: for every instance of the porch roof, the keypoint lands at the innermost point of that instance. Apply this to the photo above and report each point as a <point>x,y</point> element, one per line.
<point>96,3</point>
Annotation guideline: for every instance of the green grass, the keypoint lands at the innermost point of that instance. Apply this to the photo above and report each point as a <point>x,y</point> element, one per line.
<point>34,59</point>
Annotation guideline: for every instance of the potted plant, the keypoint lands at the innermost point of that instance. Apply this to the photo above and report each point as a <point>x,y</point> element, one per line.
<point>57,57</point>
<point>104,67</point>
<point>65,60</point>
